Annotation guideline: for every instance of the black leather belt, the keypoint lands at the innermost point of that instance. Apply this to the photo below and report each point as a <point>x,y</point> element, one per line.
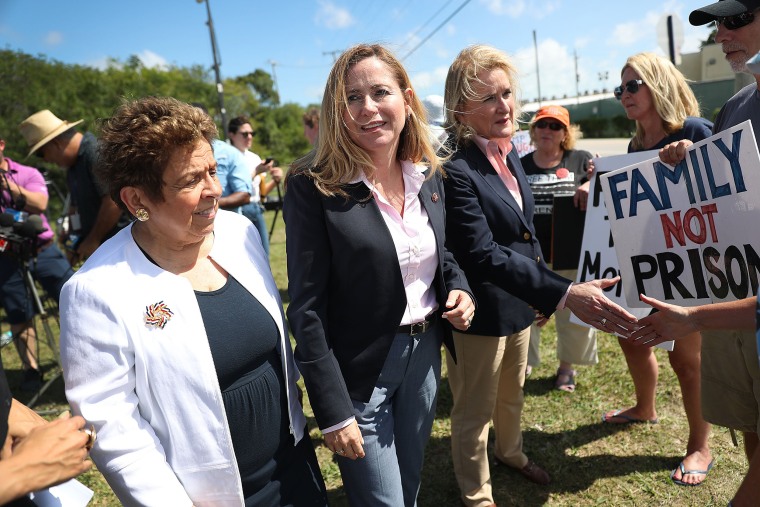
<point>417,327</point>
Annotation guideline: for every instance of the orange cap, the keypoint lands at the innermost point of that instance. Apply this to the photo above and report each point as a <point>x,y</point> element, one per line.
<point>559,113</point>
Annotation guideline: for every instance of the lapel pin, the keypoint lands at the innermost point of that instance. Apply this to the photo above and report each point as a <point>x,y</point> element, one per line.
<point>434,197</point>
<point>157,315</point>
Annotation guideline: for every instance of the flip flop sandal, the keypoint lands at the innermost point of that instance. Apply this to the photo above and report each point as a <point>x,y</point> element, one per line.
<point>565,380</point>
<point>685,472</point>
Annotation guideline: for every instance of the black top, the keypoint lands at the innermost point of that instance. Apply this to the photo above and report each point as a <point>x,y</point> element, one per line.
<point>694,129</point>
<point>243,339</point>
<point>86,189</point>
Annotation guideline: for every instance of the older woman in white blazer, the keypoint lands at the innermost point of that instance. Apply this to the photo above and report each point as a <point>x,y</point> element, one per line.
<point>173,338</point>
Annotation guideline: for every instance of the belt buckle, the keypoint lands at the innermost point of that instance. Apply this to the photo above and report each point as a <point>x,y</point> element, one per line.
<point>418,327</point>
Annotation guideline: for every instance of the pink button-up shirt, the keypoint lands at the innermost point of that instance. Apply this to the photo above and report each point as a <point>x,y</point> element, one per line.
<point>496,152</point>
<point>415,244</point>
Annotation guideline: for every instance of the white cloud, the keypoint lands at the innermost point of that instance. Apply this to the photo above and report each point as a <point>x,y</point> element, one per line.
<point>427,82</point>
<point>151,59</point>
<point>333,17</point>
<point>513,8</point>
<point>53,38</point>
<point>518,8</point>
<point>556,66</point>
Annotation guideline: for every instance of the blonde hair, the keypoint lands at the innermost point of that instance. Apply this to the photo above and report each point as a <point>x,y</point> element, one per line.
<point>671,94</point>
<point>572,134</point>
<point>463,73</point>
<point>337,159</point>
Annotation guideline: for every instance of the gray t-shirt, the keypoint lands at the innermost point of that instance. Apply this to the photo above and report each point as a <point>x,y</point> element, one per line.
<point>743,106</point>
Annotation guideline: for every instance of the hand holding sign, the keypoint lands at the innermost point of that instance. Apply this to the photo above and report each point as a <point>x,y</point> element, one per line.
<point>674,153</point>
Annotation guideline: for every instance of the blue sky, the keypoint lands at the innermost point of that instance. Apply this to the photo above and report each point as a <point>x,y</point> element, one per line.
<point>299,36</point>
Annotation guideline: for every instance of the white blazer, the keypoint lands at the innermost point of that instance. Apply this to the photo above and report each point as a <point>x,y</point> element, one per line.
<point>152,393</point>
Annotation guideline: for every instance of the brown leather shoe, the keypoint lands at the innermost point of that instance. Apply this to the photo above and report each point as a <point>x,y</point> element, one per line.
<point>535,473</point>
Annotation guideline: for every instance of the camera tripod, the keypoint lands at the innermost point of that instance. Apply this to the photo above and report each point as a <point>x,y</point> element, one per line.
<point>43,315</point>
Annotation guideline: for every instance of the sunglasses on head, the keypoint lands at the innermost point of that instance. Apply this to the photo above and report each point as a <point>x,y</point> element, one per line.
<point>735,22</point>
<point>631,86</point>
<point>246,134</point>
<point>542,124</point>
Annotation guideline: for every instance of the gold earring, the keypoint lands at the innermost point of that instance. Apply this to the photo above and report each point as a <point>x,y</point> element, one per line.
<point>142,214</point>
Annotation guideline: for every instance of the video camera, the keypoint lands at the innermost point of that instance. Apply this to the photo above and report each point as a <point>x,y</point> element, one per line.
<point>19,239</point>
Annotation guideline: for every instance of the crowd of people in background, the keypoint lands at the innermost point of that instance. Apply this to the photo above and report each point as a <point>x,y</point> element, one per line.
<point>411,224</point>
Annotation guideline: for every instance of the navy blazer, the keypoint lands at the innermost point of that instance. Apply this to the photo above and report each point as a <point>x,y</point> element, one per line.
<point>494,242</point>
<point>346,290</point>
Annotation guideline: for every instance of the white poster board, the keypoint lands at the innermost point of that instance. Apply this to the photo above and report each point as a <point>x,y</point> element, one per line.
<point>689,234</point>
<point>598,258</point>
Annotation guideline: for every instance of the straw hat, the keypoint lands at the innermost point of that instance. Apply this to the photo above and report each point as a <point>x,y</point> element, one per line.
<point>42,127</point>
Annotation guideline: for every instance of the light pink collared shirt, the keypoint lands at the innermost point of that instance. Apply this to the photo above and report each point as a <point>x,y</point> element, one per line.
<point>415,244</point>
<point>499,164</point>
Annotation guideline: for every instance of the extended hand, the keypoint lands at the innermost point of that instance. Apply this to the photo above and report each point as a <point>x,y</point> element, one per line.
<point>671,322</point>
<point>346,442</point>
<point>587,301</point>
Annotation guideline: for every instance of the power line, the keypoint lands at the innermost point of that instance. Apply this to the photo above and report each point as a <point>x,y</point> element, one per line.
<point>423,41</point>
<point>426,23</point>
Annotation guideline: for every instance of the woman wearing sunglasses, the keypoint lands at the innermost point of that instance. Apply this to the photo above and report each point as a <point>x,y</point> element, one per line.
<point>556,169</point>
<point>656,95</point>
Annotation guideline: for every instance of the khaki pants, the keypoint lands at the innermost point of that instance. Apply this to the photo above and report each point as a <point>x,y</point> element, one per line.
<point>486,383</point>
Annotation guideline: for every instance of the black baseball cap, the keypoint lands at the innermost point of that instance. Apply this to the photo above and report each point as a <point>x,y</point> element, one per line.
<point>721,9</point>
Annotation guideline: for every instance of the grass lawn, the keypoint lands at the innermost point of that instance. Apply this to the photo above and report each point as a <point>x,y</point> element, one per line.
<point>591,464</point>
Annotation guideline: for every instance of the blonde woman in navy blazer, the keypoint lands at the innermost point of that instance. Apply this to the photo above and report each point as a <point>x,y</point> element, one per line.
<point>490,231</point>
<point>371,283</point>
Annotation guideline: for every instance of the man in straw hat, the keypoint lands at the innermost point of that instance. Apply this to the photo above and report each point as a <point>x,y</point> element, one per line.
<point>730,370</point>
<point>23,189</point>
<point>93,216</point>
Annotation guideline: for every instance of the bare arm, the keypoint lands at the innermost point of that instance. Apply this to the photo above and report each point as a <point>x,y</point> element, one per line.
<point>234,200</point>
<point>108,216</point>
<point>672,322</point>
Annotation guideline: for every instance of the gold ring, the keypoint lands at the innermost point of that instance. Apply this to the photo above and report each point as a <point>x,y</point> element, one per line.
<point>91,437</point>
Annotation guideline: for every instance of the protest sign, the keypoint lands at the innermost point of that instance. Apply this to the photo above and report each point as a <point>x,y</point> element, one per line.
<point>689,234</point>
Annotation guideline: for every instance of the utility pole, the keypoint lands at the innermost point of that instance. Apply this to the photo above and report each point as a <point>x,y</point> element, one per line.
<point>538,77</point>
<point>274,76</point>
<point>577,79</point>
<point>334,54</point>
<point>217,63</point>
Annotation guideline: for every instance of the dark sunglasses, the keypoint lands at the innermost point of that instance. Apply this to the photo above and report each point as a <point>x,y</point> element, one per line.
<point>246,134</point>
<point>542,124</point>
<point>631,86</point>
<point>735,22</point>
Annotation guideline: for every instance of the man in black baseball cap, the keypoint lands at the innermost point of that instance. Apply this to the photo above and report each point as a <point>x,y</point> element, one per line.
<point>722,9</point>
<point>730,376</point>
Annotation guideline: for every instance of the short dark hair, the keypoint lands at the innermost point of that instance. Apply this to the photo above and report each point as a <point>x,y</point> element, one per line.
<point>311,117</point>
<point>234,124</point>
<point>138,141</point>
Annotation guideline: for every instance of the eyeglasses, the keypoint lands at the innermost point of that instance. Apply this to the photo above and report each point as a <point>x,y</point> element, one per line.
<point>735,22</point>
<point>246,134</point>
<point>631,86</point>
<point>542,124</point>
